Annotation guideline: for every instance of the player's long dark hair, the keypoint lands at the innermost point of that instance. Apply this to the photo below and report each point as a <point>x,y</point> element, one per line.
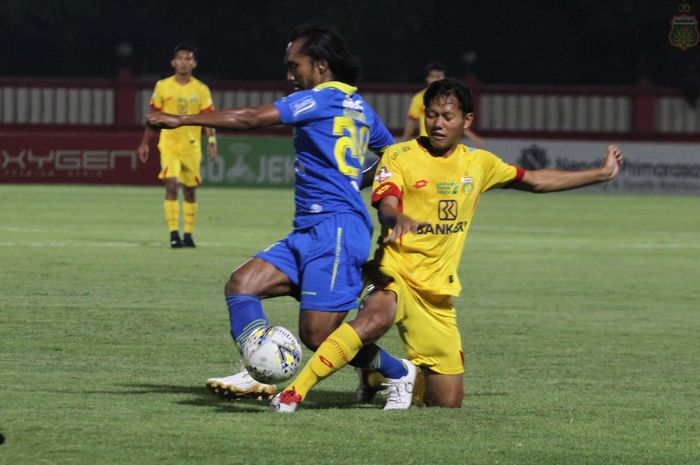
<point>324,43</point>
<point>451,86</point>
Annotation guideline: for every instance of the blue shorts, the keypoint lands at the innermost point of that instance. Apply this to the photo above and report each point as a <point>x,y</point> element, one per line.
<point>324,262</point>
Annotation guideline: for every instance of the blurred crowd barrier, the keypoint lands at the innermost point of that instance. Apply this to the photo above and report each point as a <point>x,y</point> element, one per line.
<point>88,131</point>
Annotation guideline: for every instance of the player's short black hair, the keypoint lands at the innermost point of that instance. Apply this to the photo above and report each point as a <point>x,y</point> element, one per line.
<point>325,43</point>
<point>454,87</point>
<point>185,47</point>
<point>435,66</point>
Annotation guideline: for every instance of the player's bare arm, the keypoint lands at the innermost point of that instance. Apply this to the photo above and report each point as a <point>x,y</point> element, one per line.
<point>540,181</point>
<point>235,118</point>
<point>212,148</point>
<point>390,217</point>
<point>144,149</point>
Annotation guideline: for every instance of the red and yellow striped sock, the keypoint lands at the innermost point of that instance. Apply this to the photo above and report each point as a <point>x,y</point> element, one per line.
<point>172,214</point>
<point>190,215</point>
<point>333,354</point>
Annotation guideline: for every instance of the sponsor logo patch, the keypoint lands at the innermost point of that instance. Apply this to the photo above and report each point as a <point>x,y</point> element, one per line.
<point>447,210</point>
<point>382,175</point>
<point>447,187</point>
<point>302,106</point>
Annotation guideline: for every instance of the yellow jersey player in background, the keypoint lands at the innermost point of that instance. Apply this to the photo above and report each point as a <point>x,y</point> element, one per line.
<point>426,191</point>
<point>180,149</point>
<point>416,111</point>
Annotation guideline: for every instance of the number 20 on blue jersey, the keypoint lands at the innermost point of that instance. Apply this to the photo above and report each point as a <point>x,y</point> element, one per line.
<point>353,141</point>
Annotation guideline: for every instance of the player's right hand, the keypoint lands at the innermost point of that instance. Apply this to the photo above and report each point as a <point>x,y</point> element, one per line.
<point>143,152</point>
<point>404,225</point>
<point>160,120</point>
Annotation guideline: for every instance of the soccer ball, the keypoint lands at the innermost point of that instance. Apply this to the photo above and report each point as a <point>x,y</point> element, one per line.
<point>271,354</point>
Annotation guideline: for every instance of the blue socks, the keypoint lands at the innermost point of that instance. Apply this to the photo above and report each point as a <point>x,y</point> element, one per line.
<point>246,314</point>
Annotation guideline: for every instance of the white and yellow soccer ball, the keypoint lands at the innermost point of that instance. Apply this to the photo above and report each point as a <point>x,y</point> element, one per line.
<point>271,354</point>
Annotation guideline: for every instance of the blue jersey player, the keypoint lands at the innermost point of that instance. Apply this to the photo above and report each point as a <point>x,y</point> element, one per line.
<point>320,262</point>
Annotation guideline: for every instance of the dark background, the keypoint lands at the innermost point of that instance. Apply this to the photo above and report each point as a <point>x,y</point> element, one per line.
<point>589,42</point>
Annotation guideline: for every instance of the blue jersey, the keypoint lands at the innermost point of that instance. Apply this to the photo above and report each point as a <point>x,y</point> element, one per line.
<point>333,129</point>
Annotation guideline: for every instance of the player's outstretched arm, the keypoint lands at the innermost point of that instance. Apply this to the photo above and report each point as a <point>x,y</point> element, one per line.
<point>389,216</point>
<point>235,118</point>
<point>557,180</point>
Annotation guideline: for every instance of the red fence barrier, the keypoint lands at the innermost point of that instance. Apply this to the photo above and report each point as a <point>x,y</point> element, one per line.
<point>82,158</point>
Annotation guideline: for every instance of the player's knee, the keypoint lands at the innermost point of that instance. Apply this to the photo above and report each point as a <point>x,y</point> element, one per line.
<point>448,398</point>
<point>311,339</point>
<point>236,284</point>
<point>375,317</point>
<point>171,191</point>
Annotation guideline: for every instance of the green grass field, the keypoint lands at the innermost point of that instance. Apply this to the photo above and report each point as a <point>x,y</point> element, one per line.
<point>580,320</point>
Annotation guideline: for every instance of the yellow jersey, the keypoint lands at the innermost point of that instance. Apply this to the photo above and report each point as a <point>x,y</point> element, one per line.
<point>417,112</point>
<point>443,193</point>
<point>170,96</point>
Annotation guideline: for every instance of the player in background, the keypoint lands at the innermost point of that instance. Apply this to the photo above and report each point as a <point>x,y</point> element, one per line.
<point>181,149</point>
<point>416,112</point>
<point>320,261</point>
<point>426,191</point>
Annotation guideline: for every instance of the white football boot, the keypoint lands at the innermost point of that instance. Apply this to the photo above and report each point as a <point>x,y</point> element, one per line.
<point>240,385</point>
<point>399,392</point>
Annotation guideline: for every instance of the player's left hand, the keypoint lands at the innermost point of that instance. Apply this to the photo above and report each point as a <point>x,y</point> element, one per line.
<point>212,151</point>
<point>160,120</point>
<point>612,161</point>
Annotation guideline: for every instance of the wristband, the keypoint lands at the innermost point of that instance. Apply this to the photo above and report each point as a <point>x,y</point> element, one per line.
<point>212,140</point>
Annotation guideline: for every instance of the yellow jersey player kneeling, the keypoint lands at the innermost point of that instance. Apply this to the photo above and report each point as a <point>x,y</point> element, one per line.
<point>426,191</point>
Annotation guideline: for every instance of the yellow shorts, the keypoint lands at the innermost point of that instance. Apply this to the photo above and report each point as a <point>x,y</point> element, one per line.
<point>183,167</point>
<point>428,328</point>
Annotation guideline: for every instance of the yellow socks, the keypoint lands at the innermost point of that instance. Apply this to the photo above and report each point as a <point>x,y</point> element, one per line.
<point>190,212</point>
<point>172,212</point>
<point>333,354</point>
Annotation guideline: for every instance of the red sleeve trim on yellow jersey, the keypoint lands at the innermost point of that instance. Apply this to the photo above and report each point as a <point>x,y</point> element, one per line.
<point>519,173</point>
<point>208,109</point>
<point>155,108</point>
<point>411,117</point>
<point>384,190</point>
